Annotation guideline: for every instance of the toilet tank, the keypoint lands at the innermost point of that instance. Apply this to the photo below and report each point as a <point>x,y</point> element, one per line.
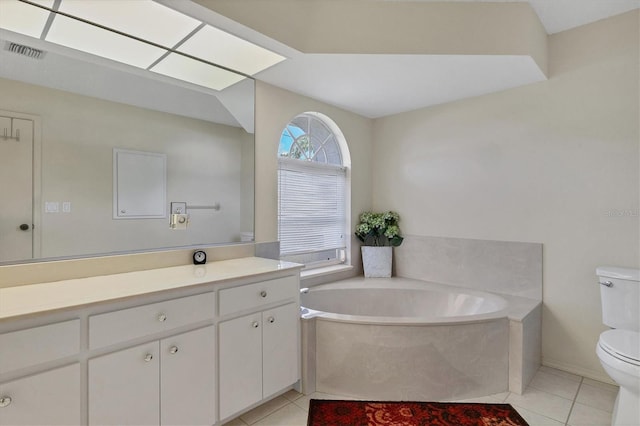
<point>620,293</point>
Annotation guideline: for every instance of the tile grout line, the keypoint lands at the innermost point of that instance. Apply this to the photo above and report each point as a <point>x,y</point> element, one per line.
<point>573,402</point>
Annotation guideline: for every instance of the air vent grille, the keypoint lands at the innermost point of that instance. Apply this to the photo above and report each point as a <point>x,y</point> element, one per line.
<point>23,50</point>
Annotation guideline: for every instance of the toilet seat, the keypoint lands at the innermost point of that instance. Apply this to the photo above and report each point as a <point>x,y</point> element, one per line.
<point>624,345</point>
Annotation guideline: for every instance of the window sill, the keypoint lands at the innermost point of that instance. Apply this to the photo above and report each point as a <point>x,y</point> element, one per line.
<point>325,270</point>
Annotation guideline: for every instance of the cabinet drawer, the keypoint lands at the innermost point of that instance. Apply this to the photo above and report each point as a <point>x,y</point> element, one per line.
<point>120,326</point>
<point>32,346</point>
<point>252,296</point>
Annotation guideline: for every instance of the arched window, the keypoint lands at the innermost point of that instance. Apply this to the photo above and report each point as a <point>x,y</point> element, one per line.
<point>313,208</point>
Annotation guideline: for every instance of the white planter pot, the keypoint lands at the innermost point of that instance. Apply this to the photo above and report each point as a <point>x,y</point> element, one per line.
<point>377,261</point>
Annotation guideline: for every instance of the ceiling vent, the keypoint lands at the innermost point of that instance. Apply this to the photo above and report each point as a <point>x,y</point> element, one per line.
<point>21,49</point>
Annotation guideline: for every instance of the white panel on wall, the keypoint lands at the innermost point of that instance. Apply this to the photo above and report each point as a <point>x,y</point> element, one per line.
<point>139,184</point>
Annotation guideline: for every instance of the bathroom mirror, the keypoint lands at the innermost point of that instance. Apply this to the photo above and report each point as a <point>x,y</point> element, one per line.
<point>74,111</point>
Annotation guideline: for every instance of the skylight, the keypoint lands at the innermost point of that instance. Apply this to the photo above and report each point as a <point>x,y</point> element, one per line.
<point>88,38</point>
<point>23,18</point>
<point>143,34</point>
<point>144,19</point>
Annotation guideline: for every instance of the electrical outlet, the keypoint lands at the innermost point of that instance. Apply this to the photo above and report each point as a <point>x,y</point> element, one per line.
<point>178,208</point>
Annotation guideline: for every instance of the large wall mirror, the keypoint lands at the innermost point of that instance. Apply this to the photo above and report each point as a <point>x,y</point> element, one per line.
<point>64,113</point>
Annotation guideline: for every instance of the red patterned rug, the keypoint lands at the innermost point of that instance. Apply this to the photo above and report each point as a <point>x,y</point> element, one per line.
<point>371,413</point>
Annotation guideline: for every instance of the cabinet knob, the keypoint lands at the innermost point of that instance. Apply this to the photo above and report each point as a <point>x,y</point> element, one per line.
<point>271,320</point>
<point>173,349</point>
<point>263,293</point>
<point>5,401</point>
<point>255,324</point>
<point>162,317</point>
<point>148,358</point>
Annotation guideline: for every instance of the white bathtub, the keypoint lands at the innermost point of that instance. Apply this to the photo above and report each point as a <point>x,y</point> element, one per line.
<point>399,301</point>
<point>404,339</point>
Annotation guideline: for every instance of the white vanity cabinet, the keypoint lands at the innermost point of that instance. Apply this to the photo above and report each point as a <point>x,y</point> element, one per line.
<point>44,391</point>
<point>163,382</point>
<point>167,382</point>
<point>182,345</point>
<point>258,351</point>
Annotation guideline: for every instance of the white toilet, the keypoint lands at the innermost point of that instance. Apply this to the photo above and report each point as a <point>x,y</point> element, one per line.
<point>619,349</point>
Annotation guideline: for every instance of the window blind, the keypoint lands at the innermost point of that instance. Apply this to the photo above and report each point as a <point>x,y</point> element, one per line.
<point>311,213</point>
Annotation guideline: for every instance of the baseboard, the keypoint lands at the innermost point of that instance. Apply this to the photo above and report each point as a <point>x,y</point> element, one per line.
<point>599,375</point>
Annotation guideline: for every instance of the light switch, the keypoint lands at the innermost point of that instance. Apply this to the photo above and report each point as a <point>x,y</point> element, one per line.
<point>66,207</point>
<point>51,207</point>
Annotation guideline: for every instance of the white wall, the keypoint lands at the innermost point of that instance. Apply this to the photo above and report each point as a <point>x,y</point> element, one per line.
<point>79,133</point>
<point>274,109</point>
<point>551,162</point>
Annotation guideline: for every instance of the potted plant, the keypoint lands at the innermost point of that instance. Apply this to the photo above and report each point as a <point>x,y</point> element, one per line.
<point>379,233</point>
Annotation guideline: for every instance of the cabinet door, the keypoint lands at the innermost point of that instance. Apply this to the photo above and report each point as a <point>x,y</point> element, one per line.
<point>49,398</point>
<point>240,363</point>
<point>124,387</point>
<point>280,348</point>
<point>187,384</point>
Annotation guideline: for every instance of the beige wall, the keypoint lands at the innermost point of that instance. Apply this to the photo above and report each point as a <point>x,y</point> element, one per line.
<point>274,109</point>
<point>555,162</point>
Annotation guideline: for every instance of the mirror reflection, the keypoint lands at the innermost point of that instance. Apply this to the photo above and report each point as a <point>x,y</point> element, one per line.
<point>64,114</point>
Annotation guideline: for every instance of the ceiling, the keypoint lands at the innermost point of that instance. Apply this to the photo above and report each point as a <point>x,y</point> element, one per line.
<point>380,85</point>
<point>371,85</point>
<point>561,15</point>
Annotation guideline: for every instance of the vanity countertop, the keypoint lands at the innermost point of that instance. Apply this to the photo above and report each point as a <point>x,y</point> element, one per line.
<point>45,297</point>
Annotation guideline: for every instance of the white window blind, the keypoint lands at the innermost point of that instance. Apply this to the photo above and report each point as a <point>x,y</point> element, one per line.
<point>311,213</point>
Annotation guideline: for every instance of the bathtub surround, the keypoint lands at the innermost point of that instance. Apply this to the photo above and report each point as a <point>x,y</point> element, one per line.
<point>464,359</point>
<point>504,267</point>
<point>412,363</point>
<point>364,343</point>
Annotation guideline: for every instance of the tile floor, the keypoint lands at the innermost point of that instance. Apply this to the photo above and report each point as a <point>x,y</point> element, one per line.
<point>553,398</point>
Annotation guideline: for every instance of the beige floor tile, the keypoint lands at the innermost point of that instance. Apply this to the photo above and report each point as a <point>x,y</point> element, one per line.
<point>548,401</point>
<point>584,415</point>
<point>292,395</point>
<point>602,385</point>
<point>597,396</point>
<point>543,403</point>
<point>264,410</point>
<point>560,373</point>
<point>556,384</point>
<point>497,398</point>
<point>535,419</point>
<point>303,402</point>
<point>290,415</point>
<point>235,422</point>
